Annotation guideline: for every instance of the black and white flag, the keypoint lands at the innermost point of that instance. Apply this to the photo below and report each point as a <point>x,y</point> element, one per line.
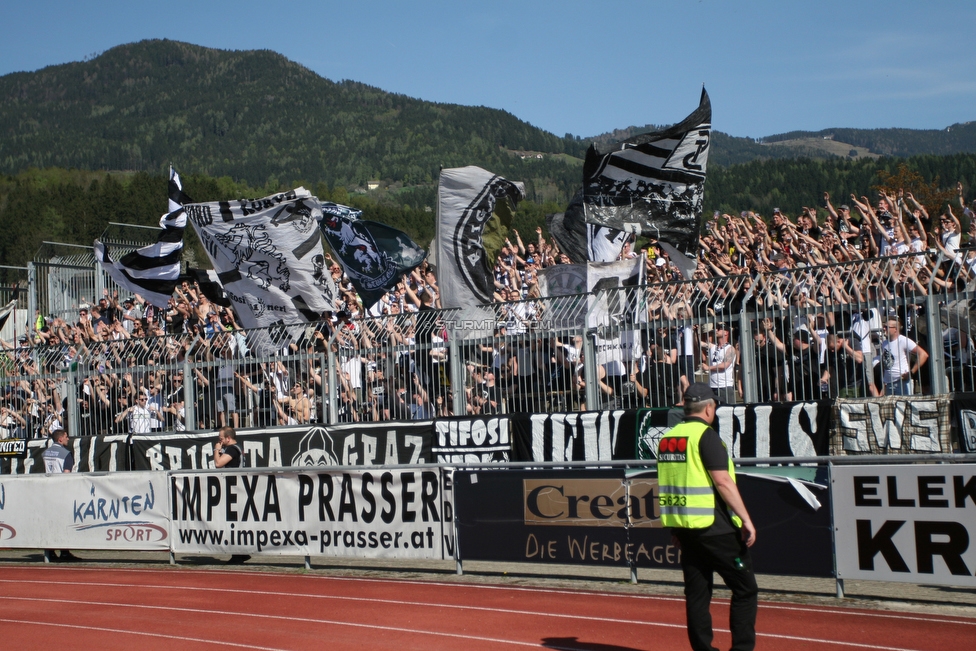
<point>654,183</point>
<point>467,198</point>
<point>268,256</point>
<point>615,311</point>
<point>373,256</point>
<point>583,242</point>
<point>6,311</point>
<point>210,285</point>
<point>153,271</point>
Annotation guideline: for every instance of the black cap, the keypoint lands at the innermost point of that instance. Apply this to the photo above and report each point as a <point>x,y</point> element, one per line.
<point>699,392</point>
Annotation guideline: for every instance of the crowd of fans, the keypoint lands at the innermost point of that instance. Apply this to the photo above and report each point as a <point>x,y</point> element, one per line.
<point>835,297</point>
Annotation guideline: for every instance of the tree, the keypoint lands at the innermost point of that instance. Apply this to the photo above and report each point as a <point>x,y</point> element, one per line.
<point>928,193</point>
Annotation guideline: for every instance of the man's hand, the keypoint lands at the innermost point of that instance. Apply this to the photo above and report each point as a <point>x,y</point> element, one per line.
<point>726,487</point>
<point>748,533</point>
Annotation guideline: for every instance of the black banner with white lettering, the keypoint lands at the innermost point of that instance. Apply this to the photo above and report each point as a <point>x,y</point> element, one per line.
<point>788,429</point>
<point>483,439</point>
<point>316,445</point>
<point>13,448</point>
<point>586,436</point>
<point>90,453</point>
<point>963,406</point>
<point>593,516</point>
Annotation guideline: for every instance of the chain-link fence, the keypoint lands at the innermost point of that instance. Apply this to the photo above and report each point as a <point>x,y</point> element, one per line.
<point>874,327</point>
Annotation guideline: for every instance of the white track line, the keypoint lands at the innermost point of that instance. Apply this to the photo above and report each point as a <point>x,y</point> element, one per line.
<point>764,605</point>
<point>387,602</point>
<point>303,620</point>
<point>480,586</point>
<point>75,602</point>
<point>938,619</point>
<point>101,629</point>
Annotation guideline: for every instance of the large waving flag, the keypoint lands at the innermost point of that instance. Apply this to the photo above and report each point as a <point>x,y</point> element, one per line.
<point>6,311</point>
<point>153,271</point>
<point>654,183</point>
<point>268,256</point>
<point>467,199</point>
<point>373,255</point>
<point>584,242</point>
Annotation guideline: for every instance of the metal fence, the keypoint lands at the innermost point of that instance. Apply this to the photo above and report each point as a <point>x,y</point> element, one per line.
<point>795,334</point>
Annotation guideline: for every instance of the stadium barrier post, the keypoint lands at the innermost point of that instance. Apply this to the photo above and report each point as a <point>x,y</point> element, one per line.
<point>32,303</point>
<point>589,371</point>
<point>458,376</point>
<point>937,362</point>
<point>332,389</point>
<point>324,392</point>
<point>189,397</point>
<point>71,395</point>
<point>839,582</point>
<point>747,360</point>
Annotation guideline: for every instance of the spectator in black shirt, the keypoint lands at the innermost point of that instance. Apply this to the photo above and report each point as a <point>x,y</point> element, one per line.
<point>845,368</point>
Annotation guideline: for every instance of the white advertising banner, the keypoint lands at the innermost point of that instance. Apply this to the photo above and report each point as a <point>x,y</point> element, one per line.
<point>362,514</point>
<point>913,524</point>
<point>128,510</point>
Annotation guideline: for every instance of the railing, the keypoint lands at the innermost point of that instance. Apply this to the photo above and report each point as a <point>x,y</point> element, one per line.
<point>798,334</point>
<point>481,512</point>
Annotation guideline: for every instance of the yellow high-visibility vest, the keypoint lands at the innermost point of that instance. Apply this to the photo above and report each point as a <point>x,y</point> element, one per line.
<point>686,493</point>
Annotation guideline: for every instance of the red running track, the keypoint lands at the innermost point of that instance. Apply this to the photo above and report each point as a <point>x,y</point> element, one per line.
<point>96,608</point>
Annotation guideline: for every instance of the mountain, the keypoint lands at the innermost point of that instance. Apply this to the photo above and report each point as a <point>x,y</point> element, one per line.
<point>264,121</point>
<point>955,139</point>
<point>830,143</point>
<point>255,116</point>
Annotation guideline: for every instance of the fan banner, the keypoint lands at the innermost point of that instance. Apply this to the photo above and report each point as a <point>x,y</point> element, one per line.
<point>153,271</point>
<point>373,256</point>
<point>654,183</point>
<point>268,256</point>
<point>468,198</point>
<point>361,444</point>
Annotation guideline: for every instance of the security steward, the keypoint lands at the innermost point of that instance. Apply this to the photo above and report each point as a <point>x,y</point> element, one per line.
<point>702,506</point>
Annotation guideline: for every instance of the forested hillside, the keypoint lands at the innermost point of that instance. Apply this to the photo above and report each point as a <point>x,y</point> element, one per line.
<point>258,118</point>
<point>792,184</point>
<point>250,123</point>
<point>261,119</point>
<point>75,207</point>
<point>955,139</point>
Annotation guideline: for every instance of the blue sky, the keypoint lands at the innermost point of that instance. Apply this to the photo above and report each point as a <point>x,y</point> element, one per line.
<point>575,67</point>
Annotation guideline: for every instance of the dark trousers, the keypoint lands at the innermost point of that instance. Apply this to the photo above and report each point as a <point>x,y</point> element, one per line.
<point>727,554</point>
